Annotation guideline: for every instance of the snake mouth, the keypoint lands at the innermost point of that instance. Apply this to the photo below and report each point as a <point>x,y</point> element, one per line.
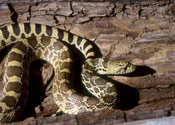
<point>130,68</point>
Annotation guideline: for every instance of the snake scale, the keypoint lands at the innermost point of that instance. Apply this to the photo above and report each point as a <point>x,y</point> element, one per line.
<point>36,41</point>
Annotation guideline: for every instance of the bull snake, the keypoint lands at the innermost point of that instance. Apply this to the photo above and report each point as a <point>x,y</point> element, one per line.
<point>42,41</point>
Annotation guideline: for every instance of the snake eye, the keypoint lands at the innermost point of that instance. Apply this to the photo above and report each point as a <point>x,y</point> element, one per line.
<point>120,64</point>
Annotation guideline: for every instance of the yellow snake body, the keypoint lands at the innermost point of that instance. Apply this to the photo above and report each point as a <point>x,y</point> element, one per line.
<point>34,41</point>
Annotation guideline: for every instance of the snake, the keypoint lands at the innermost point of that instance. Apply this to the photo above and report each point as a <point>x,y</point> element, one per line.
<point>38,41</point>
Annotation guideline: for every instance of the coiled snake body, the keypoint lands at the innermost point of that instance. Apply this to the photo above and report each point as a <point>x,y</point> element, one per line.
<point>42,41</point>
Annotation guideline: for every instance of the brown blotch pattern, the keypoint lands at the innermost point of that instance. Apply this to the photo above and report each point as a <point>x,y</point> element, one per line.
<point>12,38</point>
<point>21,46</point>
<point>32,41</point>
<point>100,81</point>
<point>63,75</point>
<point>111,89</point>
<point>45,40</point>
<point>23,36</point>
<point>15,86</point>
<point>14,56</point>
<point>57,46</point>
<point>64,87</point>
<point>16,29</point>
<point>5,32</point>
<point>14,70</point>
<point>92,101</point>
<point>3,43</point>
<point>66,64</point>
<point>64,55</point>
<point>9,100</point>
<point>108,99</point>
<point>59,98</point>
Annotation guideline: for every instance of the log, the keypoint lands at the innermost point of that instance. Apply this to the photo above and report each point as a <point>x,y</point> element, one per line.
<point>142,32</point>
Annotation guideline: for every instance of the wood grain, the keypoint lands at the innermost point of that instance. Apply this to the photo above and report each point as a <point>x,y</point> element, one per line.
<point>141,32</point>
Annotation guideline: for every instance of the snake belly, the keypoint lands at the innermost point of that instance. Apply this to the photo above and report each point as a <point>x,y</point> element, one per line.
<point>41,41</point>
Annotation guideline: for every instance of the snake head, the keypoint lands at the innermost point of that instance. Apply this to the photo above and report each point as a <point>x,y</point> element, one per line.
<point>119,67</point>
<point>106,67</point>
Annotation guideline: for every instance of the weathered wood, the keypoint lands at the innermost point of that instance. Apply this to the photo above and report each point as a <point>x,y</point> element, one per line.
<point>141,32</point>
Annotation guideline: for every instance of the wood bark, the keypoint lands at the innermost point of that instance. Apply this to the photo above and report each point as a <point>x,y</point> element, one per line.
<point>142,32</point>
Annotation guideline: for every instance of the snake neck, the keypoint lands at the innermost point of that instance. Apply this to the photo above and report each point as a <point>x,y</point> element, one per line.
<point>94,83</point>
<point>93,70</point>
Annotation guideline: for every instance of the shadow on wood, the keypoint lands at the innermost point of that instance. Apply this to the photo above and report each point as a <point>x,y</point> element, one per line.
<point>128,97</point>
<point>142,71</point>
